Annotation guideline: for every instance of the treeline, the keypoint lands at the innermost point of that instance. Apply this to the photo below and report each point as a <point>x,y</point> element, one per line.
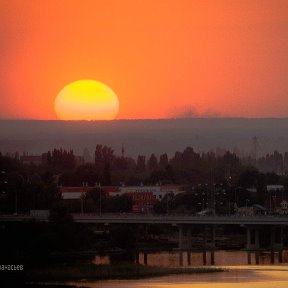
<point>59,158</point>
<point>186,167</point>
<point>26,186</point>
<point>272,162</point>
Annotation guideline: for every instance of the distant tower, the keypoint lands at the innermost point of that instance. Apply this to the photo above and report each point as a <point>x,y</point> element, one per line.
<point>123,151</point>
<point>255,145</point>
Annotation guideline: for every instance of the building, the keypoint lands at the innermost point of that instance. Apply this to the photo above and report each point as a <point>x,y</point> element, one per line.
<point>72,193</point>
<point>276,194</point>
<point>142,201</point>
<point>143,197</point>
<point>274,188</point>
<point>30,159</point>
<point>78,192</point>
<point>159,191</point>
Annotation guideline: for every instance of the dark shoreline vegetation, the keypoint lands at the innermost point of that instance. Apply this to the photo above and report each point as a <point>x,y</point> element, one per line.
<point>26,185</point>
<point>42,285</point>
<point>95,272</point>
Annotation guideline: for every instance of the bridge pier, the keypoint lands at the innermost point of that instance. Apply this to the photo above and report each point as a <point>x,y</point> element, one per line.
<point>181,258</point>
<point>204,245</point>
<point>184,244</point>
<point>253,245</point>
<point>189,258</point>
<point>204,258</point>
<point>145,258</point>
<point>184,241</point>
<point>280,255</point>
<point>137,258</point>
<point>213,245</point>
<point>248,244</point>
<point>257,246</point>
<point>189,238</point>
<point>276,243</point>
<point>180,237</point>
<point>282,245</point>
<point>272,242</point>
<point>249,257</point>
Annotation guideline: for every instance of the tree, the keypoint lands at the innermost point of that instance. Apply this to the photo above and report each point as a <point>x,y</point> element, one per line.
<point>152,163</point>
<point>103,155</point>
<point>163,162</point>
<point>141,163</point>
<point>59,158</point>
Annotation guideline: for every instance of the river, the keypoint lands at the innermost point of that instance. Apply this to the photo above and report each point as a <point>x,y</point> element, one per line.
<point>238,273</point>
<point>241,276</point>
<point>222,258</point>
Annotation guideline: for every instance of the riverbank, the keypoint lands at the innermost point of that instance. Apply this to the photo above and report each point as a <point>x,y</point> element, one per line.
<point>40,285</point>
<point>89,271</point>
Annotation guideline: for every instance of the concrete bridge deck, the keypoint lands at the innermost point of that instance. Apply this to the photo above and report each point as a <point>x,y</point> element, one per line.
<point>161,219</point>
<point>275,226</point>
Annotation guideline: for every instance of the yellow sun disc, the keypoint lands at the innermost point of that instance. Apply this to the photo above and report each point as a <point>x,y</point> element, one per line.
<point>86,100</point>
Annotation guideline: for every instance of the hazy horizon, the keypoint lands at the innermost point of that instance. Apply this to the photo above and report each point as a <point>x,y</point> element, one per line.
<point>144,136</point>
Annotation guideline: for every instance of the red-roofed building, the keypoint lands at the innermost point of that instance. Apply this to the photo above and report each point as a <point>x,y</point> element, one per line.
<point>69,193</point>
<point>77,192</point>
<point>143,197</point>
<point>142,201</point>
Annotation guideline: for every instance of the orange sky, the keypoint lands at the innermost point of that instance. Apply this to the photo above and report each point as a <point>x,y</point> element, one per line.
<point>163,58</point>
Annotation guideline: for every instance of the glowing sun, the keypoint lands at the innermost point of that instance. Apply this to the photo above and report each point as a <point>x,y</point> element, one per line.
<point>86,100</point>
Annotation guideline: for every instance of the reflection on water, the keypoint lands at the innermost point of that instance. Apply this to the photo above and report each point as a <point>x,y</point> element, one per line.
<point>241,276</point>
<point>222,258</point>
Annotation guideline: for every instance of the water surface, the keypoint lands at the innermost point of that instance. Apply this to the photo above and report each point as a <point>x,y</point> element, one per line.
<point>241,276</point>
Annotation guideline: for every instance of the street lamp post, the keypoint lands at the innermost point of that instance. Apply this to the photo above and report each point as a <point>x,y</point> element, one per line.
<point>16,203</point>
<point>3,192</point>
<point>247,200</point>
<point>84,184</point>
<point>16,194</point>
<point>203,201</point>
<point>100,200</point>
<point>273,204</point>
<point>229,207</point>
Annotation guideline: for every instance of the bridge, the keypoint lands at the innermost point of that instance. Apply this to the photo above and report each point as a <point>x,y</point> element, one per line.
<point>184,223</point>
<point>179,219</point>
<point>173,219</point>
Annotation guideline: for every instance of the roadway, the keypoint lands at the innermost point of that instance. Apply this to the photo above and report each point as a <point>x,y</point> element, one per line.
<point>160,219</point>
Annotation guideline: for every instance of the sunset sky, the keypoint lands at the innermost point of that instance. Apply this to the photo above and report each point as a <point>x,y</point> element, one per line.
<point>163,58</point>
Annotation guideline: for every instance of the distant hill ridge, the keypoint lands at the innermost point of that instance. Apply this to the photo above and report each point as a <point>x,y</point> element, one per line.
<point>145,136</point>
